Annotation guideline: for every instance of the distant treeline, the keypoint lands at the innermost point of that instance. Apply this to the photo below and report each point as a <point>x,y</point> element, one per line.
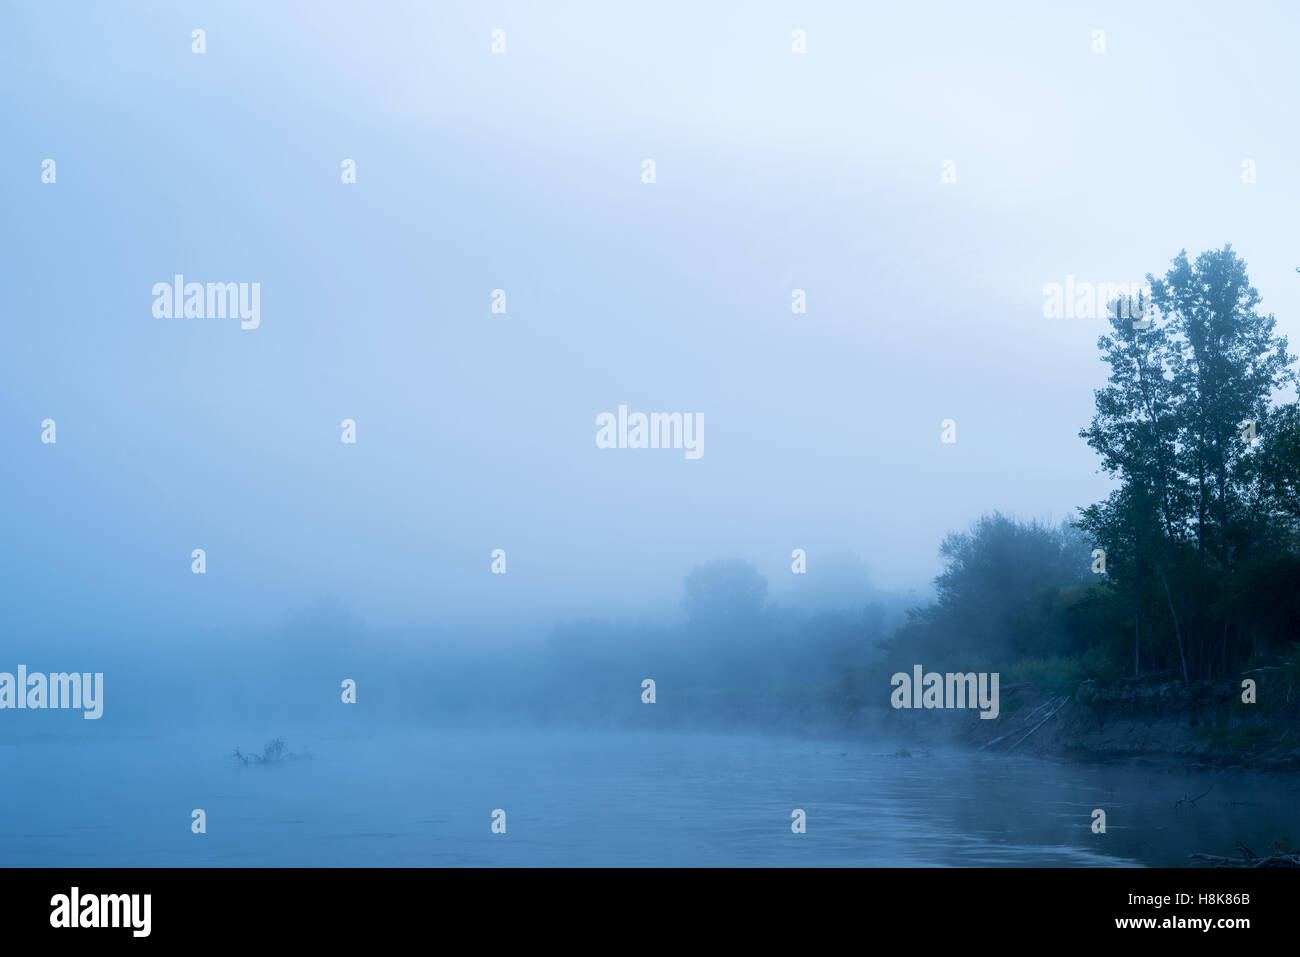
<point>737,657</point>
<point>1190,567</point>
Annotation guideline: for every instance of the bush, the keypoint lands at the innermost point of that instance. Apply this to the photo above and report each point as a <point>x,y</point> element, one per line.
<point>1063,674</point>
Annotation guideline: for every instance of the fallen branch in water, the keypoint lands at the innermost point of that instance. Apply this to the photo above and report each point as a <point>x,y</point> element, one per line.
<point>1062,702</point>
<point>1249,859</point>
<point>1029,717</point>
<point>273,752</point>
<point>1191,801</point>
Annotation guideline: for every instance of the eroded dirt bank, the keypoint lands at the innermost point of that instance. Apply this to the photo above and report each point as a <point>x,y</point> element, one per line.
<point>1155,717</point>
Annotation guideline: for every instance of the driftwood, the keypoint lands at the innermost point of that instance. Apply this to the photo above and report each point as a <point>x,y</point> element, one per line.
<point>1029,717</point>
<point>1250,859</point>
<point>1277,860</point>
<point>1060,703</point>
<point>273,752</point>
<point>1191,802</point>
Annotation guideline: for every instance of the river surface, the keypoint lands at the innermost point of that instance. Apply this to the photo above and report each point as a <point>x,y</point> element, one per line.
<point>427,798</point>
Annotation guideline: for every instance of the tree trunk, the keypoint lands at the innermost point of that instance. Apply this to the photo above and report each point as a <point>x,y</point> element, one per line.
<point>1223,650</point>
<point>1137,641</point>
<point>1202,509</point>
<point>1177,631</point>
<point>1221,478</point>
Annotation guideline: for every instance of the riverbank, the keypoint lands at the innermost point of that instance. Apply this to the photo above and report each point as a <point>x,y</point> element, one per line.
<point>1155,718</point>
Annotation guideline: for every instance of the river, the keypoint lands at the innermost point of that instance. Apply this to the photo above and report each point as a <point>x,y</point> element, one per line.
<point>609,799</point>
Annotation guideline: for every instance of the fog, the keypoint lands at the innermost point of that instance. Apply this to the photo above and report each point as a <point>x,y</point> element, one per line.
<point>475,559</point>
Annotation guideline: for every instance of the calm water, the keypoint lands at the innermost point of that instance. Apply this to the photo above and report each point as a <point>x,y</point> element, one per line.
<point>608,799</point>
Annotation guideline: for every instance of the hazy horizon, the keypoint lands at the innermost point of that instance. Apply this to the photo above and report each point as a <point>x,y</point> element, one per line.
<point>522,172</point>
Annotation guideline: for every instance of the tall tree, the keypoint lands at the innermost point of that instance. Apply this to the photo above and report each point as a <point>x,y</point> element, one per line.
<point>1189,381</point>
<point>1226,362</point>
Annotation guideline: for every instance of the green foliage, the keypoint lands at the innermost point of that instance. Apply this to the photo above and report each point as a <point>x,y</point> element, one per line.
<point>1062,675</point>
<point>1204,522</point>
<point>1000,593</point>
<point>1201,536</point>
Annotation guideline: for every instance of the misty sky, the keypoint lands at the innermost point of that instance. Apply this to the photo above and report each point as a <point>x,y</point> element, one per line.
<point>522,171</point>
